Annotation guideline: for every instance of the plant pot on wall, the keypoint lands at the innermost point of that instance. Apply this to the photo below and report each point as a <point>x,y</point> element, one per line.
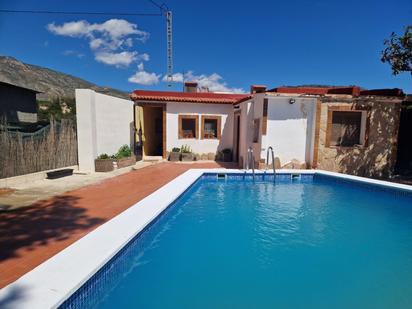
<point>123,162</point>
<point>227,155</point>
<point>174,156</point>
<point>187,157</point>
<point>104,165</point>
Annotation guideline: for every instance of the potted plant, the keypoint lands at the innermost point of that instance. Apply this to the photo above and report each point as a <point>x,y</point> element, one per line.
<point>124,157</point>
<point>187,154</point>
<point>227,155</point>
<point>175,154</point>
<point>103,163</point>
<point>219,156</point>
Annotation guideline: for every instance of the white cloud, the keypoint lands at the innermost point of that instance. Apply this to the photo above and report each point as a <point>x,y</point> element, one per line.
<point>111,41</point>
<point>74,53</point>
<point>214,82</point>
<point>72,29</point>
<point>113,29</point>
<point>142,77</point>
<point>96,43</point>
<point>117,59</point>
<point>144,57</point>
<point>177,78</point>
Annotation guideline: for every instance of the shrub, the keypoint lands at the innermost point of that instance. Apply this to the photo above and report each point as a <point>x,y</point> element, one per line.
<point>124,152</point>
<point>57,108</point>
<point>186,149</point>
<point>103,156</point>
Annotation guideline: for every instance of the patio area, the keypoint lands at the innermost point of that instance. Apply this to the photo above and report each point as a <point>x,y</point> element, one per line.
<point>31,235</point>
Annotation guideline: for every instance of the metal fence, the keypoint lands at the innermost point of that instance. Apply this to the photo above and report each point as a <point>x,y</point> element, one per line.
<point>54,146</point>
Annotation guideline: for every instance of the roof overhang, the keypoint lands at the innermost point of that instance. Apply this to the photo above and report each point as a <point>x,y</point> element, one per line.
<point>144,96</point>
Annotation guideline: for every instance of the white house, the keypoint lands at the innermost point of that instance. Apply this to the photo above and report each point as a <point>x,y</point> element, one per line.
<point>210,122</point>
<point>201,120</point>
<point>283,122</point>
<point>333,128</point>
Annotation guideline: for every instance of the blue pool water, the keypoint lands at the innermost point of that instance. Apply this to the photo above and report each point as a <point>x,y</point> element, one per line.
<point>309,243</point>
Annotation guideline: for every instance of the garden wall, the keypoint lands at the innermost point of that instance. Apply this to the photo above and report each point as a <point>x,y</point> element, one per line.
<point>104,123</point>
<point>53,147</point>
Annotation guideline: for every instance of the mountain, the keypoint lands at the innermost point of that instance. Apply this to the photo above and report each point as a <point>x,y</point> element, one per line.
<point>49,82</point>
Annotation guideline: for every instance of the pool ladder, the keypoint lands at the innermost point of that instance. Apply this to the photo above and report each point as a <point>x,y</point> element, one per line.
<point>273,161</point>
<point>250,160</point>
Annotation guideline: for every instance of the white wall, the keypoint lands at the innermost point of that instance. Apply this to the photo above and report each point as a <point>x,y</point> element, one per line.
<point>246,128</point>
<point>199,145</point>
<point>104,123</point>
<point>290,127</point>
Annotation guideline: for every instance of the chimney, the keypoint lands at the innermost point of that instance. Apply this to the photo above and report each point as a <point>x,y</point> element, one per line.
<point>257,89</point>
<point>190,87</point>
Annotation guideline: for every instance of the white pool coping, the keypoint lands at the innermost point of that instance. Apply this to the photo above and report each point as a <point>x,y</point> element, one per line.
<point>52,282</point>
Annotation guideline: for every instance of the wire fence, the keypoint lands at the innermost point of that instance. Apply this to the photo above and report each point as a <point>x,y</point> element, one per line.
<point>50,148</point>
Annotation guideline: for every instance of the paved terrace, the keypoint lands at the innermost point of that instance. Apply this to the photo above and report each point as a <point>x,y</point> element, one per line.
<point>31,235</point>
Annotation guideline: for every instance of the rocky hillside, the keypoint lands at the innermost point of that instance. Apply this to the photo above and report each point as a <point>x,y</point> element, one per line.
<point>51,83</point>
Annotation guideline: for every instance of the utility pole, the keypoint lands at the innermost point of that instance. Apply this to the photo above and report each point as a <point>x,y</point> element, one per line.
<point>164,10</point>
<point>169,46</point>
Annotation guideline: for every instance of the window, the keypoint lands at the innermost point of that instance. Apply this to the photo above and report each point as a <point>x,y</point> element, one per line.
<point>211,127</point>
<point>256,128</point>
<point>346,128</point>
<point>188,125</point>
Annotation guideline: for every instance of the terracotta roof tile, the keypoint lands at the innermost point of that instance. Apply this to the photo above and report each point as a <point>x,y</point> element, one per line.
<point>353,90</point>
<point>195,97</point>
<point>395,92</point>
<point>348,90</point>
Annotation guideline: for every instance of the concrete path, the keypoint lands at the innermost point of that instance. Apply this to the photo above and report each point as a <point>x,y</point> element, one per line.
<point>27,193</point>
<point>31,235</point>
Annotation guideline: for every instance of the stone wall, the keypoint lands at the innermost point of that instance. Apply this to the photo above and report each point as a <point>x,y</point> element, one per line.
<point>378,157</point>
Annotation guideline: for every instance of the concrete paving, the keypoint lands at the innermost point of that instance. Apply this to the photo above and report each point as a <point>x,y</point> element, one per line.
<point>27,193</point>
<point>31,235</point>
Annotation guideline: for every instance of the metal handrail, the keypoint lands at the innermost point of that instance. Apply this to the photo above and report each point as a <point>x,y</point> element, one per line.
<point>250,156</point>
<point>270,148</point>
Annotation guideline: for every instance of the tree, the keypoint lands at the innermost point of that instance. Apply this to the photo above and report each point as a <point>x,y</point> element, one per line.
<point>58,108</point>
<point>398,51</point>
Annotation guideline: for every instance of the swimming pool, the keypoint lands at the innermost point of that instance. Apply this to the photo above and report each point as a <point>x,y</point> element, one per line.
<point>314,241</point>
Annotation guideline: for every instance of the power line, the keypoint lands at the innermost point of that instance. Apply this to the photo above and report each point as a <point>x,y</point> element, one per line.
<point>79,13</point>
<point>162,7</point>
<point>164,11</point>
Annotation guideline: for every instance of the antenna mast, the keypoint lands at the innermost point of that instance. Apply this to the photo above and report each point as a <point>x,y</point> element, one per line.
<point>169,46</point>
<point>169,39</point>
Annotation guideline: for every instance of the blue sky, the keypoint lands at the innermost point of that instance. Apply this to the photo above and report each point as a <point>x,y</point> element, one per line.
<point>226,45</point>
